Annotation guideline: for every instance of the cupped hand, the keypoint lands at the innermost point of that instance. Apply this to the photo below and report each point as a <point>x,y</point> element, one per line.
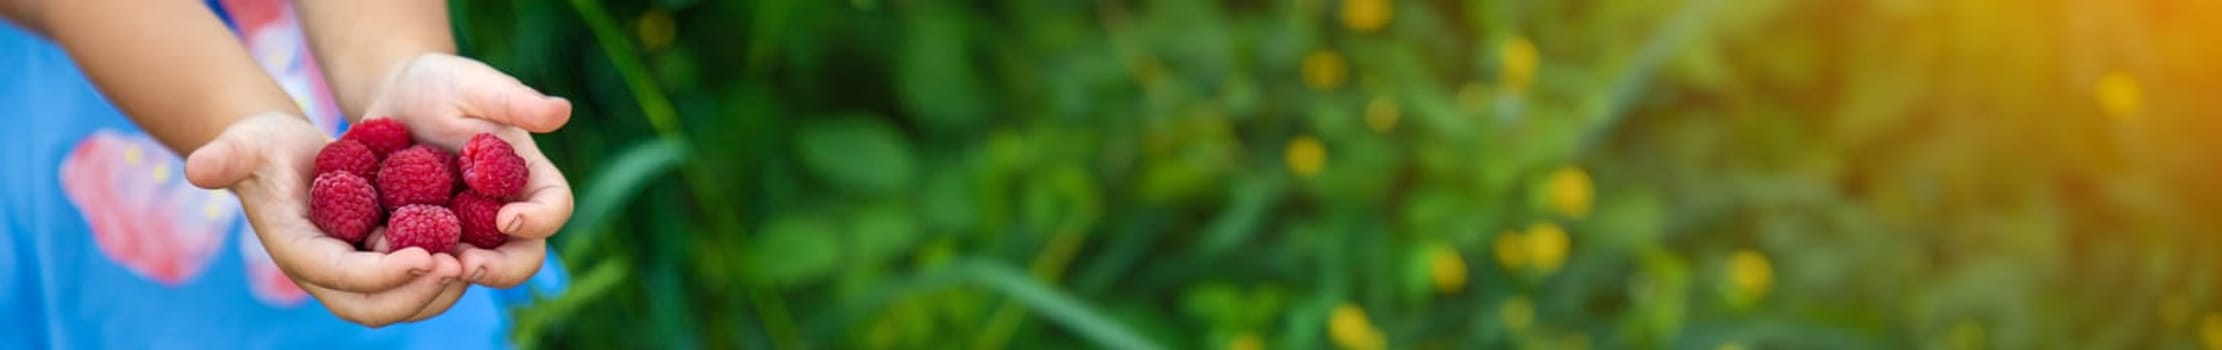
<point>445,100</point>
<point>266,159</point>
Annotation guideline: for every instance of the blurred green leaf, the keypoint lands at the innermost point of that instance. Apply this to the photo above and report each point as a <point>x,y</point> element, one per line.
<point>880,232</point>
<point>946,202</point>
<point>935,73</point>
<point>797,249</point>
<point>856,152</point>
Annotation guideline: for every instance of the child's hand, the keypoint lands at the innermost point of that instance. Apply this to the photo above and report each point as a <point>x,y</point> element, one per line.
<point>445,99</point>
<point>266,160</point>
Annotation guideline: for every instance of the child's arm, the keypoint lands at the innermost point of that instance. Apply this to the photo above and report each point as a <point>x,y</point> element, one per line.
<point>171,66</point>
<point>174,69</point>
<point>394,58</point>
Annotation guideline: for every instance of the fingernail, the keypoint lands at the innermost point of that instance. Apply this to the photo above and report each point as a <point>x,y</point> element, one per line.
<point>515,223</point>
<point>446,281</point>
<point>476,275</point>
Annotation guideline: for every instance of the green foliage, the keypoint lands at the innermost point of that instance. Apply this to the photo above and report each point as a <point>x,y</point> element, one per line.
<point>856,153</point>
<point>1444,174</point>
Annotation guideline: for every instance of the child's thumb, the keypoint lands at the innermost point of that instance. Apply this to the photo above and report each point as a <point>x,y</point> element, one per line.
<point>225,160</point>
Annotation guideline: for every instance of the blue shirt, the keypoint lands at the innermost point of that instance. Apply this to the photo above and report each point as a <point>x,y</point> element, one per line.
<point>103,244</point>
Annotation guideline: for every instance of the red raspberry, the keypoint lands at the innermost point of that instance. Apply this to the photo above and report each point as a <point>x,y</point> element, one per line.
<point>384,136</point>
<point>416,175</point>
<point>478,214</point>
<point>349,156</point>
<point>343,205</point>
<point>491,167</point>
<point>424,226</point>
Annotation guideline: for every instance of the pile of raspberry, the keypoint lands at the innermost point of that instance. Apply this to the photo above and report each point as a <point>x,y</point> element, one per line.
<point>424,196</point>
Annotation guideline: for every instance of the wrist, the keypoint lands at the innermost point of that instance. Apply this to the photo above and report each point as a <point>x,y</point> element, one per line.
<point>361,43</point>
<point>364,78</point>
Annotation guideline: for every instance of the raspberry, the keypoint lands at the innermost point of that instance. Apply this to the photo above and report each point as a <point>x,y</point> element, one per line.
<point>477,213</point>
<point>384,136</point>
<point>343,205</point>
<point>417,175</point>
<point>424,226</point>
<point>349,156</point>
<point>491,167</point>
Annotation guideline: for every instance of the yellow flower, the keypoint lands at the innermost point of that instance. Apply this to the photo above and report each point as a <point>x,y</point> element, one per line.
<point>2210,331</point>
<point>1381,114</point>
<point>1518,59</point>
<point>1306,156</point>
<point>1547,246</point>
<point>1512,250</point>
<point>2119,95</point>
<point>1750,274</point>
<point>1246,340</point>
<point>1570,191</point>
<point>1325,69</point>
<point>1365,15</point>
<point>655,28</point>
<point>1447,268</point>
<point>1349,329</point>
<point>1516,313</point>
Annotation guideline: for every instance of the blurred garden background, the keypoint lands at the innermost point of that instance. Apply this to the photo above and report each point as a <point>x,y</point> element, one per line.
<point>1378,174</point>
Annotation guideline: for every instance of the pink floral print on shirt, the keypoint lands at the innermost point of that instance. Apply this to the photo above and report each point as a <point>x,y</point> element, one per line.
<point>143,214</point>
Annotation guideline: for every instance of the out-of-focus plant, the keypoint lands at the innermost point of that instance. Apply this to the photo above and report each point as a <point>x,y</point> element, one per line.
<point>1375,174</point>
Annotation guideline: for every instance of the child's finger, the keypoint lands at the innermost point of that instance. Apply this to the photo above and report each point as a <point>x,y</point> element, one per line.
<point>538,216</point>
<point>547,202</point>
<point>368,271</point>
<point>440,304</point>
<point>506,266</point>
<point>387,307</point>
<point>492,96</point>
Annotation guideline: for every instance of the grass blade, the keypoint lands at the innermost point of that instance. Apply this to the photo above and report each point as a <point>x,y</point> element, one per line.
<point>1054,305</point>
<point>631,170</point>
